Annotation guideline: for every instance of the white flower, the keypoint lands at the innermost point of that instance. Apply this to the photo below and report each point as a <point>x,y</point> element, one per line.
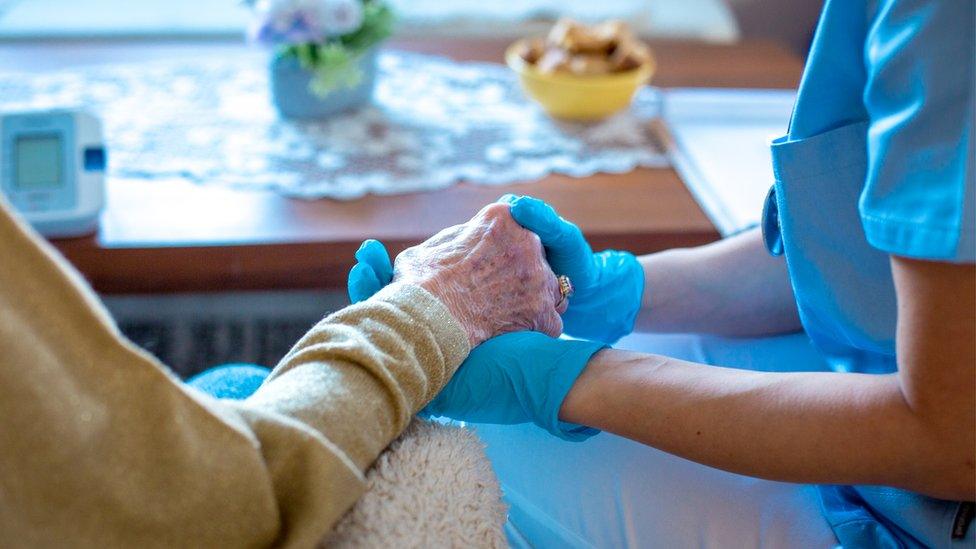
<point>342,16</point>
<point>301,21</point>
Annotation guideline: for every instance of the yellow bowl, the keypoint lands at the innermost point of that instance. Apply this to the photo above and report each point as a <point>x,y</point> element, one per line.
<point>578,97</point>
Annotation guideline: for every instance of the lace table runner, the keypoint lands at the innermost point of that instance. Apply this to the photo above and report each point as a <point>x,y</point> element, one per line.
<point>434,122</point>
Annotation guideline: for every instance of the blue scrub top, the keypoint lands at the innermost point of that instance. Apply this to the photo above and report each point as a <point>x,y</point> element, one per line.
<point>878,161</point>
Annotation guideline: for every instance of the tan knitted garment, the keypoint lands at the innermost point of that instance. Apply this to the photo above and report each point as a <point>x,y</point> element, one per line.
<point>100,445</point>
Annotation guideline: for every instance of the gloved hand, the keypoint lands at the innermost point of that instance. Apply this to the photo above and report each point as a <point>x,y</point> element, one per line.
<point>518,377</point>
<point>489,272</point>
<point>608,286</point>
<point>372,271</point>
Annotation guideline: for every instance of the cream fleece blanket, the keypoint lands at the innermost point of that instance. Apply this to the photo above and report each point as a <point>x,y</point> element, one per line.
<point>433,487</point>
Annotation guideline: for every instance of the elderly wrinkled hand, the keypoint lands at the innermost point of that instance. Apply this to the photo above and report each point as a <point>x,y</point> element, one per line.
<point>490,273</point>
<point>517,377</point>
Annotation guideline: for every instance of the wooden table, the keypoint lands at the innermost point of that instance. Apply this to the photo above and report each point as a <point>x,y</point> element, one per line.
<point>171,237</point>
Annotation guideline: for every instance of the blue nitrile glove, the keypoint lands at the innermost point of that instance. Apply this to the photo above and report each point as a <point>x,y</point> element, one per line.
<point>372,271</point>
<point>518,377</point>
<point>608,286</point>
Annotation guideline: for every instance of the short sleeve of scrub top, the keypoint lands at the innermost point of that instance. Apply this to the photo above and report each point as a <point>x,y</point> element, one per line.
<point>918,199</point>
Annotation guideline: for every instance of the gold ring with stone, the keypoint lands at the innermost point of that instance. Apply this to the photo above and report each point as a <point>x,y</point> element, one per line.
<point>565,289</point>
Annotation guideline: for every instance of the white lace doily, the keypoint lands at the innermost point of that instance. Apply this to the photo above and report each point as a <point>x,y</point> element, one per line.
<point>434,122</point>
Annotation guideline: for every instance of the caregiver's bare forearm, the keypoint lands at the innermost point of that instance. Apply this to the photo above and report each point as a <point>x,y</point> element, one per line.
<point>731,287</point>
<point>798,427</point>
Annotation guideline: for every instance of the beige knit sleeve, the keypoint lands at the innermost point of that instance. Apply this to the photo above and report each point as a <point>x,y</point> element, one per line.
<point>100,445</point>
<point>363,372</point>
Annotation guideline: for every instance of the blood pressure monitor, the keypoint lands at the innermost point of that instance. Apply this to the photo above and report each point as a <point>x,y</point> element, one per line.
<point>52,169</point>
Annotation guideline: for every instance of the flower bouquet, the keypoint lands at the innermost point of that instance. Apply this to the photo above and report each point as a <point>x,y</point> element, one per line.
<point>324,57</point>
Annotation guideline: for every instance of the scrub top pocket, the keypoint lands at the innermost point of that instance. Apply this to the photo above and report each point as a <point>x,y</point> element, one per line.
<point>843,285</point>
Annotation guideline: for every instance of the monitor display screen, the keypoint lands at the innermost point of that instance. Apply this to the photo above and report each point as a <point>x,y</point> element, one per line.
<point>38,162</point>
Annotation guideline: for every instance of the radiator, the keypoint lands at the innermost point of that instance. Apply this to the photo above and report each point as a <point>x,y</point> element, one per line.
<point>192,332</point>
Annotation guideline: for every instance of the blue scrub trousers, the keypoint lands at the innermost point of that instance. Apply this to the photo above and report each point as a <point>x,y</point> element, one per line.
<point>612,492</point>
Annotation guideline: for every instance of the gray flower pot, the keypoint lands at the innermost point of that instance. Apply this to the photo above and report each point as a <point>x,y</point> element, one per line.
<point>292,97</point>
